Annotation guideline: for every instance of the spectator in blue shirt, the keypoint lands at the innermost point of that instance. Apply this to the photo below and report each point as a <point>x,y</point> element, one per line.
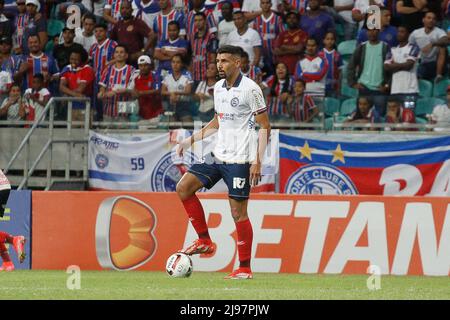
<point>316,22</point>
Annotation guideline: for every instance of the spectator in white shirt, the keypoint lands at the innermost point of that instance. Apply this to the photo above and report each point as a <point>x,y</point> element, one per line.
<point>402,62</point>
<point>227,24</point>
<point>13,107</point>
<point>432,42</point>
<point>96,7</point>
<point>441,114</point>
<point>344,9</point>
<point>85,36</point>
<point>246,38</point>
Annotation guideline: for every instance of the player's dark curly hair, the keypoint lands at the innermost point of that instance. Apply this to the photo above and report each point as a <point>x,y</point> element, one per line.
<point>234,50</point>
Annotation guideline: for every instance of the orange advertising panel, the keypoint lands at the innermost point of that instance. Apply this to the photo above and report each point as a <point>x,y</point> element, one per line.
<point>292,233</point>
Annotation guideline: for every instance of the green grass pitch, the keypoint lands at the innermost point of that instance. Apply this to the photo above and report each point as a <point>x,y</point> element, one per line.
<point>111,285</point>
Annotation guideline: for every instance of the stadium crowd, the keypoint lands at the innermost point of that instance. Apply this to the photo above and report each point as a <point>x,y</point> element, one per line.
<point>146,59</point>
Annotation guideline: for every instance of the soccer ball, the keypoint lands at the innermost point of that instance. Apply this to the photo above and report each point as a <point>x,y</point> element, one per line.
<point>179,265</point>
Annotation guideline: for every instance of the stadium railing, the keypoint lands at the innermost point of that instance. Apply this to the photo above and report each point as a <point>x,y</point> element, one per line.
<point>29,167</point>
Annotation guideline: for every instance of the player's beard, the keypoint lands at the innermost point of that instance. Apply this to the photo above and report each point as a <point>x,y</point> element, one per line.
<point>222,75</point>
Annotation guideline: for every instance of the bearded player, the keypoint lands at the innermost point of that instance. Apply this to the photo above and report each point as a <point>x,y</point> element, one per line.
<point>18,242</point>
<point>237,156</point>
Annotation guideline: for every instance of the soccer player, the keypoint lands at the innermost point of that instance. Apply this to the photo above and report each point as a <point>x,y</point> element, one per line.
<point>18,242</point>
<point>237,156</point>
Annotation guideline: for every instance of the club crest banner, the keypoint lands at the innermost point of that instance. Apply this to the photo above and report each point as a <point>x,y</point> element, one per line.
<point>149,162</point>
<point>347,166</point>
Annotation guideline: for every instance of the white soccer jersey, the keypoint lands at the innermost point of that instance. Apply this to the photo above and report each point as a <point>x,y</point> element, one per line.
<point>404,81</point>
<point>236,109</point>
<point>4,182</point>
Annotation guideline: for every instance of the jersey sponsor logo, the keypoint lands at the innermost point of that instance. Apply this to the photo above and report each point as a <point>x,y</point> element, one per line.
<point>238,183</point>
<point>320,179</point>
<point>234,102</point>
<point>258,98</point>
<point>101,161</point>
<point>167,173</point>
<point>226,116</point>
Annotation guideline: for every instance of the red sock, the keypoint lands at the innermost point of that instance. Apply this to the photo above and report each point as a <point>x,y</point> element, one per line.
<point>4,253</point>
<point>245,239</point>
<point>196,215</point>
<point>6,238</point>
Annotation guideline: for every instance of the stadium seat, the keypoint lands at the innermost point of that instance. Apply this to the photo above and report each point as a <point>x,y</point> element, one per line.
<point>425,106</point>
<point>440,88</point>
<point>348,91</point>
<point>346,48</point>
<point>425,88</point>
<point>340,33</point>
<point>54,27</point>
<point>347,107</point>
<point>194,106</point>
<point>329,124</point>
<point>331,105</point>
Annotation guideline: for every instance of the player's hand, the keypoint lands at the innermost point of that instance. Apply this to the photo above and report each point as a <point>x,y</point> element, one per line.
<point>183,145</point>
<point>255,174</point>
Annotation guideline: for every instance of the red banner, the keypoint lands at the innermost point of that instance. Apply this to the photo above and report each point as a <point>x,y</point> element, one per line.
<point>292,233</point>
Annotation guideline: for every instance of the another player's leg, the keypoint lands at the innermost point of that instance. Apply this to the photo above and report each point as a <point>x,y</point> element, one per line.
<point>18,242</point>
<point>7,263</point>
<point>245,239</point>
<point>186,188</point>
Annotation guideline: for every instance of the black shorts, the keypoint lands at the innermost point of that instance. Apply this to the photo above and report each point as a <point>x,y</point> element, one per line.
<point>235,175</point>
<point>4,195</point>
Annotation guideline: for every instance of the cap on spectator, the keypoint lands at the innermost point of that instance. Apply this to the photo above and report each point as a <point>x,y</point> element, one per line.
<point>144,60</point>
<point>35,2</point>
<point>7,40</point>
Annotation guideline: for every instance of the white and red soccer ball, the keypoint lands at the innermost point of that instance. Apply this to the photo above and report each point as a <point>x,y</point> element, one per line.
<point>179,265</point>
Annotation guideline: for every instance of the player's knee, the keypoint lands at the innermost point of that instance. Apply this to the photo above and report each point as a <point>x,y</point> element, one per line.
<point>182,190</point>
<point>236,214</point>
